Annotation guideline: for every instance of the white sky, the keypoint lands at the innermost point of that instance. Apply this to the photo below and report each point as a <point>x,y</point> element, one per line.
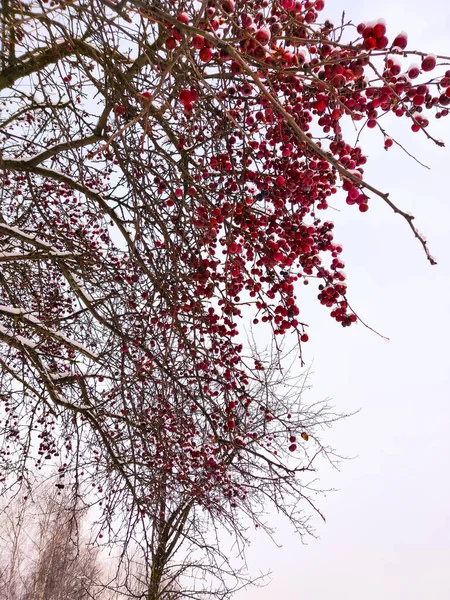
<point>388,527</point>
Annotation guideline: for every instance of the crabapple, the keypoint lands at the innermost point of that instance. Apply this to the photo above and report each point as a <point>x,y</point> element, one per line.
<point>183,17</point>
<point>288,4</point>
<point>198,41</point>
<point>401,41</point>
<point>228,6</point>
<point>428,63</point>
<point>171,43</point>
<point>379,30</point>
<point>263,35</point>
<point>205,55</point>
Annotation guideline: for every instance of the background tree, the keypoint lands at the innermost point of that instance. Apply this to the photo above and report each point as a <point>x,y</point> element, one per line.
<point>44,553</point>
<point>165,167</point>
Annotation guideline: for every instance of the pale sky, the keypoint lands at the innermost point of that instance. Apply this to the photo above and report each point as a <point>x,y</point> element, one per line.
<point>387,534</point>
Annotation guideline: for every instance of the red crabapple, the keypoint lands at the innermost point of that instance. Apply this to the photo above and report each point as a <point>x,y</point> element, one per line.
<point>428,63</point>
<point>205,54</point>
<point>228,6</point>
<point>185,96</point>
<point>171,43</point>
<point>263,36</point>
<point>288,4</point>
<point>370,43</point>
<point>198,41</point>
<point>401,41</point>
<point>379,29</point>
<point>183,17</point>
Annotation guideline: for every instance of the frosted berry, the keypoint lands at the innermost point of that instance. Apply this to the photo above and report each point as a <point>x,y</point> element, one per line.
<point>379,30</point>
<point>428,63</point>
<point>401,41</point>
<point>263,36</point>
<point>183,18</point>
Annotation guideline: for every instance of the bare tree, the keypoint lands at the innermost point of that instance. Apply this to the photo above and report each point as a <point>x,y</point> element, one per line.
<point>15,524</point>
<point>44,554</point>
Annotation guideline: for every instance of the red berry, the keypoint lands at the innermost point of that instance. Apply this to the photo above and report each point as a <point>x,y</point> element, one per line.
<point>370,43</point>
<point>176,33</point>
<point>292,447</point>
<point>205,54</point>
<point>198,41</point>
<point>288,4</point>
<point>401,41</point>
<point>361,27</point>
<point>428,63</point>
<point>379,30</point>
<point>304,337</point>
<point>310,17</point>
<point>119,109</point>
<point>338,81</point>
<point>353,193</point>
<point>183,18</point>
<point>382,42</point>
<point>292,438</point>
<point>263,36</point>
<point>185,96</point>
<point>171,43</point>
<point>228,6</point>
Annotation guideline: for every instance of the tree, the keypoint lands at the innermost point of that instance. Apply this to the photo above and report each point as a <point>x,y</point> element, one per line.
<point>165,170</point>
<point>44,555</point>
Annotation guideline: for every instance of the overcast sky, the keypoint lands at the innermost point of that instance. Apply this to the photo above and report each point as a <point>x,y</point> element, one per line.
<point>388,526</point>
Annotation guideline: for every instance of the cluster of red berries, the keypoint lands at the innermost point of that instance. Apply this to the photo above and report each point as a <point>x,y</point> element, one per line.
<point>226,198</point>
